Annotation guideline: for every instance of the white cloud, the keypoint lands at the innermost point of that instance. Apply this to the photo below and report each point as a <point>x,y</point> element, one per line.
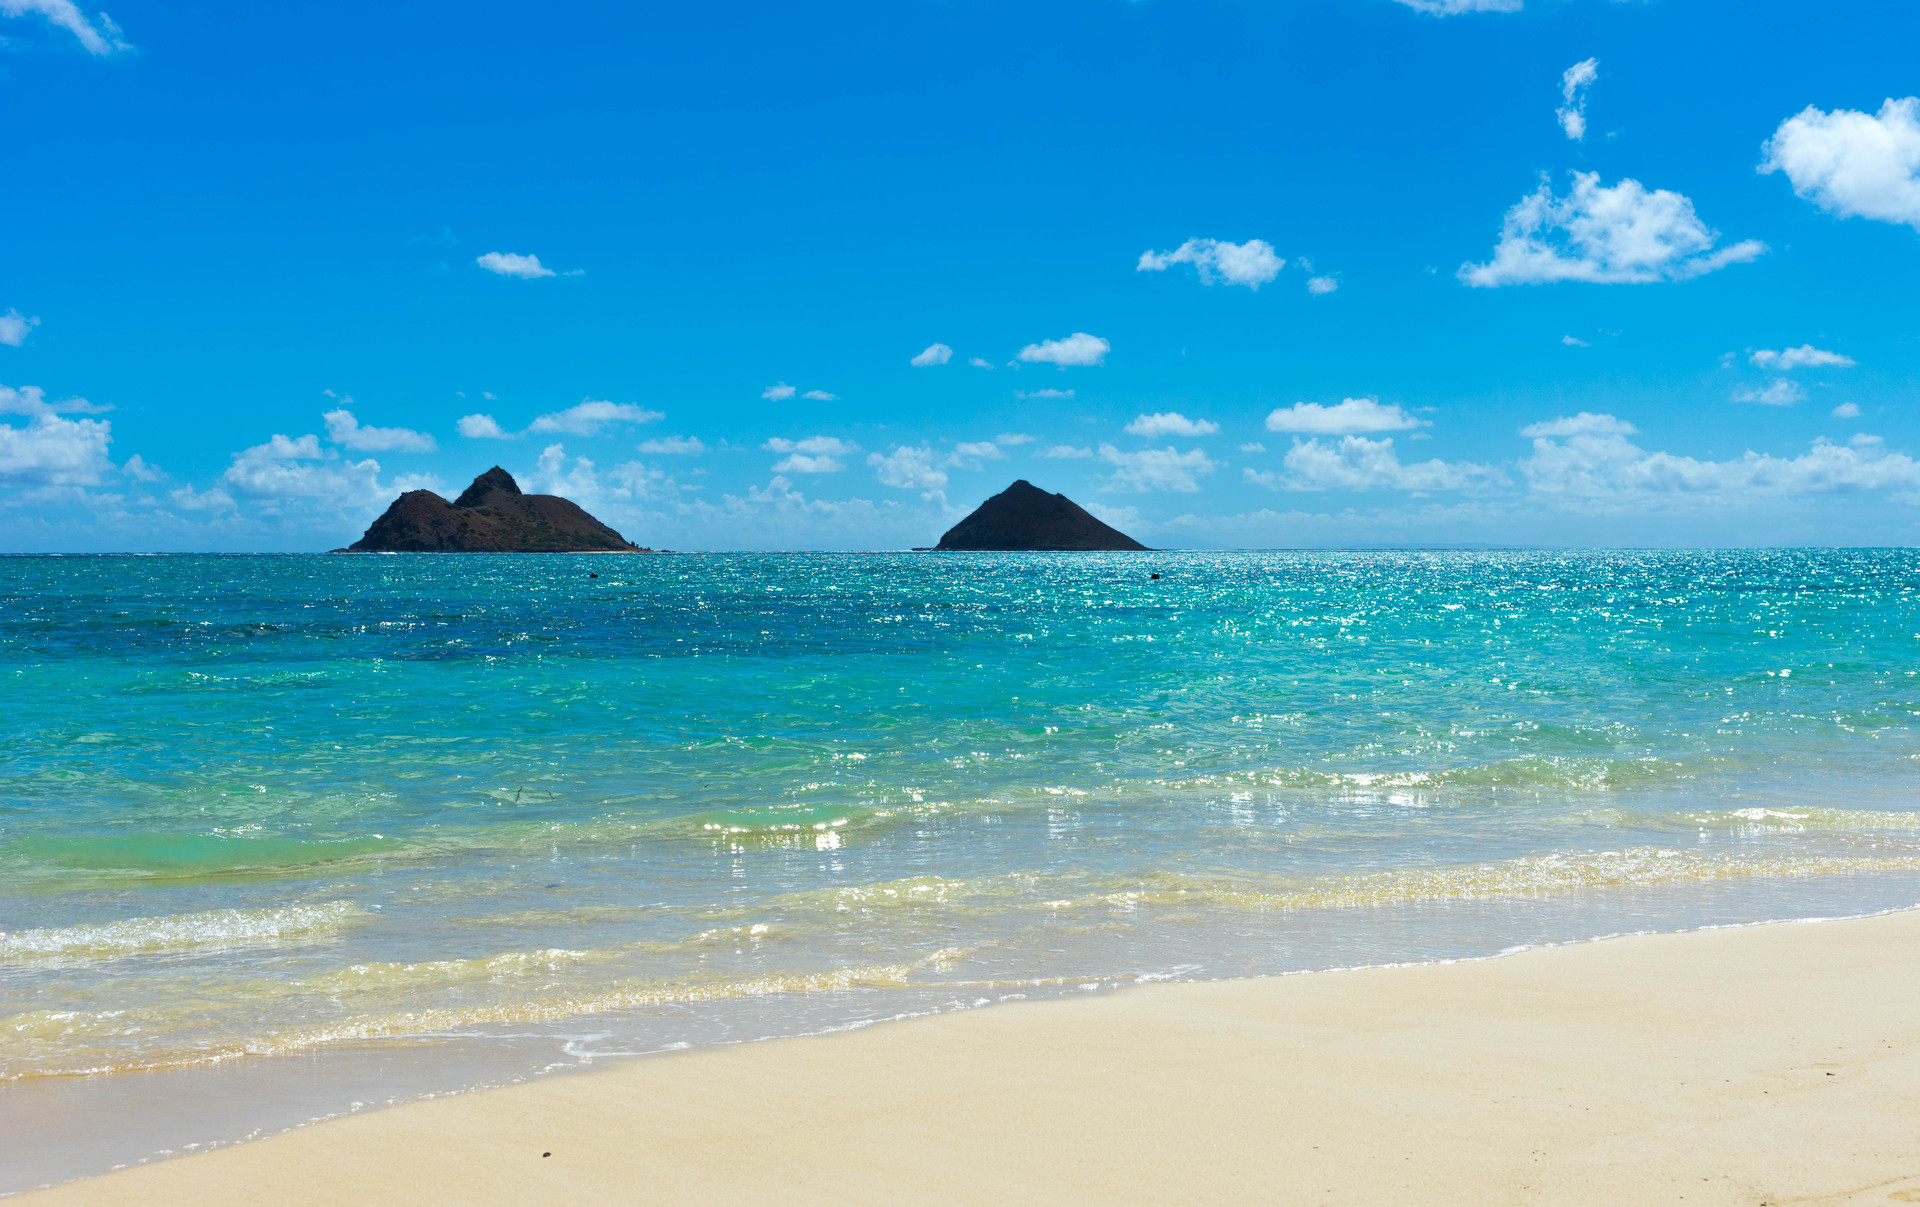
<point>1046,393</point>
<point>1013,438</point>
<point>1252,263</point>
<point>1590,457</point>
<point>778,393</point>
<point>1853,164</point>
<point>1357,463</point>
<point>935,354</point>
<point>1847,410</point>
<point>1453,8</point>
<point>1573,90</point>
<point>188,499</point>
<point>1605,235</point>
<point>587,418</point>
<point>1320,285</point>
<point>140,469</point>
<point>1586,423</point>
<point>52,451</point>
<point>14,327</point>
<point>1253,447</point>
<point>631,482</point>
<point>482,427</point>
<point>814,455</point>
<point>1779,392</point>
<point>506,264</point>
<point>821,396</point>
<point>1803,356</point>
<point>32,400</point>
<point>1574,341</point>
<point>980,362</point>
<point>105,39</point>
<point>1065,451</point>
<point>297,469</point>
<point>1170,423</point>
<point>673,446</point>
<point>343,429</point>
<point>1154,469</point>
<point>1077,349</point>
<point>910,467</point>
<point>978,450</point>
<point>1343,418</point>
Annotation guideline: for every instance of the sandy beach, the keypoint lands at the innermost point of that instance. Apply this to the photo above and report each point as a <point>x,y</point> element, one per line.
<point>1770,1064</point>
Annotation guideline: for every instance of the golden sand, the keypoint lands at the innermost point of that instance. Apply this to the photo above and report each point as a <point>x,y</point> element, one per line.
<point>1775,1064</point>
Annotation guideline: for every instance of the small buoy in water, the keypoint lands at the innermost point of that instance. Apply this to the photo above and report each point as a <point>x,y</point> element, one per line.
<point>1156,576</point>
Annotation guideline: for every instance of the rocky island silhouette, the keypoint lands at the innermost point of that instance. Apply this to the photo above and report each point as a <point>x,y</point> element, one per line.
<point>1025,518</point>
<point>490,516</point>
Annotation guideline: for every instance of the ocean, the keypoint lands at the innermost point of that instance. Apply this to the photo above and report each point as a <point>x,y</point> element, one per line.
<point>283,837</point>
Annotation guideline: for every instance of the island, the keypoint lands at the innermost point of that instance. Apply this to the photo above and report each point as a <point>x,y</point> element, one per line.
<point>490,516</point>
<point>1025,518</point>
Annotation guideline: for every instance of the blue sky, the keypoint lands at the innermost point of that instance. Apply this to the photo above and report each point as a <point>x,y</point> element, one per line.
<point>1312,273</point>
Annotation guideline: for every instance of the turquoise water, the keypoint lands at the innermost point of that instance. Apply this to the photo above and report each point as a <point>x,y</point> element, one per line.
<point>258,808</point>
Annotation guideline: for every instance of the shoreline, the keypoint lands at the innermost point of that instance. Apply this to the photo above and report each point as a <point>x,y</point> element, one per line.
<point>1740,1064</point>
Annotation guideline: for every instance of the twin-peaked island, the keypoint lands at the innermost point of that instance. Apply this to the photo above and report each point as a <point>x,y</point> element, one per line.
<point>493,516</point>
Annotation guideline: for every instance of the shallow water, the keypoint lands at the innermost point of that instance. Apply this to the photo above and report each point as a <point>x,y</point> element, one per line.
<point>380,826</point>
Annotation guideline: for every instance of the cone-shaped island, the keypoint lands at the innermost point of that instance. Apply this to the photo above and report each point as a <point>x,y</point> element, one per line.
<point>1025,518</point>
<point>491,516</point>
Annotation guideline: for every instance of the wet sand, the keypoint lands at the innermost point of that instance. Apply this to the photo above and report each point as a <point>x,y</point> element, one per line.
<point>1763,1065</point>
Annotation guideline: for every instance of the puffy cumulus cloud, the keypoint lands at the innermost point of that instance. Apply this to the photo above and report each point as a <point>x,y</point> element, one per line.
<point>14,327</point>
<point>297,470</point>
<point>1574,83</point>
<point>1013,438</point>
<point>1618,235</point>
<point>1779,392</point>
<point>1046,393</point>
<point>1076,349</point>
<point>1348,417</point>
<point>821,396</point>
<point>483,427</point>
<point>344,430</point>
<point>1321,285</point>
<point>1853,164</point>
<point>1064,451</point>
<point>1253,446</point>
<point>139,469</point>
<point>935,354</point>
<point>1453,8</point>
<point>1357,463</point>
<point>50,450</point>
<point>814,455</point>
<point>1154,469</point>
<point>969,453</point>
<point>1590,457</point>
<point>1574,341</point>
<point>672,446</point>
<point>1805,356</point>
<point>779,392</point>
<point>1170,423</point>
<point>32,400</point>
<point>980,362</point>
<point>101,38</point>
<point>580,480</point>
<point>587,418</point>
<point>211,500</point>
<point>507,264</point>
<point>1847,410</point>
<point>911,467</point>
<point>1252,263</point>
